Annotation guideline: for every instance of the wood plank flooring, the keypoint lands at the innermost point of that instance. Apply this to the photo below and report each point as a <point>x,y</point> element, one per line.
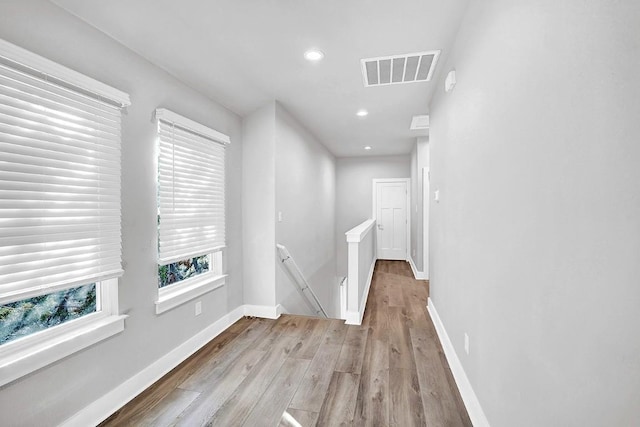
<point>303,371</point>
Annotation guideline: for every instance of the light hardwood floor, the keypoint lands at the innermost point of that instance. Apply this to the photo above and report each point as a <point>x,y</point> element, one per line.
<point>303,371</point>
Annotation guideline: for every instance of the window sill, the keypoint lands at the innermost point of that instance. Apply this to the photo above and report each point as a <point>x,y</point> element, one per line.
<point>172,296</point>
<point>23,360</point>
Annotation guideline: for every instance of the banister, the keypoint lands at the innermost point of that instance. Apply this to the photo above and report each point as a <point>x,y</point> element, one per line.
<point>294,271</point>
<point>357,233</point>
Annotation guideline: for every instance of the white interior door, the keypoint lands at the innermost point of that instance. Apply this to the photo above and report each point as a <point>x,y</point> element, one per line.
<point>392,218</point>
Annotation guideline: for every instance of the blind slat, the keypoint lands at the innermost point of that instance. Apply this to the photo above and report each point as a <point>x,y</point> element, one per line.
<point>18,135</point>
<point>20,258</point>
<point>35,249</point>
<point>54,282</point>
<point>47,157</point>
<point>42,114</point>
<point>46,188</point>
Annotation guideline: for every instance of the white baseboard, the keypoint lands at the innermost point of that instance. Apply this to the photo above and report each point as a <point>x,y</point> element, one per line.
<point>355,317</point>
<point>352,318</point>
<point>102,408</point>
<point>264,311</point>
<point>419,275</point>
<point>471,402</point>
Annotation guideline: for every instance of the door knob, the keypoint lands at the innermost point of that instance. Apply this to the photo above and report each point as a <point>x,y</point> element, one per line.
<point>380,227</point>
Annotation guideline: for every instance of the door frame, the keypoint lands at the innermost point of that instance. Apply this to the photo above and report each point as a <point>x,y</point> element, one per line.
<point>374,211</point>
<point>426,192</point>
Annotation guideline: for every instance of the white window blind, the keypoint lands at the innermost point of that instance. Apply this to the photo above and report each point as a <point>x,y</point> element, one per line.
<point>59,184</point>
<point>191,188</point>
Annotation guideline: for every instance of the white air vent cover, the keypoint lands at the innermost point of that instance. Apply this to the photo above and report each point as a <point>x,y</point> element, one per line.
<point>408,68</point>
<point>419,123</point>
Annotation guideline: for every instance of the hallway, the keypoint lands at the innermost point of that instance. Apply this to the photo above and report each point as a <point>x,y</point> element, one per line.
<point>301,371</point>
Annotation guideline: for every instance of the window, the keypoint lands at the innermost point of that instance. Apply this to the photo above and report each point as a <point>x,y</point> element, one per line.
<point>191,209</point>
<point>59,211</point>
<point>25,317</point>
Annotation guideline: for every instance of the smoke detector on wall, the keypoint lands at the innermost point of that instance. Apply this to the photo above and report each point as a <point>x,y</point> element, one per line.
<point>397,69</point>
<point>450,81</point>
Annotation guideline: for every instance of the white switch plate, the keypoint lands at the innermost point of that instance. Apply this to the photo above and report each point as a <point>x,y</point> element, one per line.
<point>279,216</point>
<point>198,308</point>
<point>466,343</point>
<point>436,195</point>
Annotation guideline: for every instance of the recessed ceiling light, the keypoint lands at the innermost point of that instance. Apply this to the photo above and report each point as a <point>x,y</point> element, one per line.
<point>367,148</point>
<point>362,113</point>
<point>313,55</point>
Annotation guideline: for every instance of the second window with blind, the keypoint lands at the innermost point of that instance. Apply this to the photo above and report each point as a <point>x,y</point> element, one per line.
<point>191,209</point>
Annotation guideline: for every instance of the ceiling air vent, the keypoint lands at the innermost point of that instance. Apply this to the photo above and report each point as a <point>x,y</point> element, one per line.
<point>419,123</point>
<point>408,68</point>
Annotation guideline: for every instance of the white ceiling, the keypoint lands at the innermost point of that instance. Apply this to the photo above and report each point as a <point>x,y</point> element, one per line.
<point>244,53</point>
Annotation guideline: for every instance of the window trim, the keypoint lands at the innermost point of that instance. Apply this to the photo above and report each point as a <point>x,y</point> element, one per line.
<point>176,294</point>
<point>35,351</point>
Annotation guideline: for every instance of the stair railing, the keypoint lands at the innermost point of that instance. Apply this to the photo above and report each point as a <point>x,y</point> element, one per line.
<point>301,283</point>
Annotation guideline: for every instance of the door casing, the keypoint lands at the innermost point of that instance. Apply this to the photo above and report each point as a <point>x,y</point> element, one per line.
<point>426,185</point>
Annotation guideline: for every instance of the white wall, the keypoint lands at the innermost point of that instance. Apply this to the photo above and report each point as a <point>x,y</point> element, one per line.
<point>305,194</point>
<point>419,160</point>
<point>54,393</point>
<point>286,169</point>
<point>535,242</point>
<point>367,256</point>
<point>258,206</point>
<point>354,193</point>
